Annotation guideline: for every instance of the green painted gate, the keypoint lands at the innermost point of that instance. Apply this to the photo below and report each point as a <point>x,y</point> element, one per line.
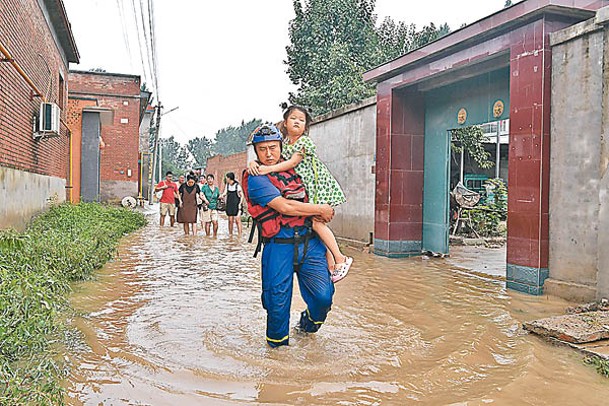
<point>442,105</point>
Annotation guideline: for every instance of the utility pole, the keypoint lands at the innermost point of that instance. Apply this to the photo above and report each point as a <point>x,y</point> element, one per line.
<point>155,150</point>
<point>160,161</point>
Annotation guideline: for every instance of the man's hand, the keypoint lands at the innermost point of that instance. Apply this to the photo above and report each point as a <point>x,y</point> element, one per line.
<point>253,168</point>
<point>327,213</point>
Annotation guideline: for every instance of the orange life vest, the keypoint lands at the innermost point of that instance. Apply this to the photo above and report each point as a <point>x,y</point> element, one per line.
<point>269,221</point>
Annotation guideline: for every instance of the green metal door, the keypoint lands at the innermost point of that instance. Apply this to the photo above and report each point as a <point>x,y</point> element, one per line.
<point>475,96</point>
<point>435,192</point>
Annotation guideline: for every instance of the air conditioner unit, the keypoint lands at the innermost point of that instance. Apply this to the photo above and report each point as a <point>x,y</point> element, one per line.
<point>48,120</point>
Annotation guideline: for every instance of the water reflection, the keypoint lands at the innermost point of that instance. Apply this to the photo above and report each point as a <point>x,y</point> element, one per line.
<point>178,320</point>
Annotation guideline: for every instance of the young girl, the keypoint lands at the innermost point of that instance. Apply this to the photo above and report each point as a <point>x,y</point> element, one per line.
<point>299,153</point>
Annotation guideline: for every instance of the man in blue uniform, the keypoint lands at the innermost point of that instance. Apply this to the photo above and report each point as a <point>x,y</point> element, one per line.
<point>291,249</point>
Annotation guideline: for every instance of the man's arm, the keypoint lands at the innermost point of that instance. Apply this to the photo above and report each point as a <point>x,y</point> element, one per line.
<point>295,208</point>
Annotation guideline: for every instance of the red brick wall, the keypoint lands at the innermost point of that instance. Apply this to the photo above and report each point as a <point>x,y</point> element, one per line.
<point>26,34</point>
<point>121,151</point>
<point>219,165</point>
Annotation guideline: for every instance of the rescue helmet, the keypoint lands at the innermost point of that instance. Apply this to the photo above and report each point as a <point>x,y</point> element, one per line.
<point>266,132</point>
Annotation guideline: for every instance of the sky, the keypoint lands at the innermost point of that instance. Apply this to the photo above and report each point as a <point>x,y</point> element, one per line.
<point>220,62</point>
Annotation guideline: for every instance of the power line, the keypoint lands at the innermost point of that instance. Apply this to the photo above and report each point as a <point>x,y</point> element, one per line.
<point>137,30</point>
<point>153,46</point>
<point>125,35</point>
<point>147,42</point>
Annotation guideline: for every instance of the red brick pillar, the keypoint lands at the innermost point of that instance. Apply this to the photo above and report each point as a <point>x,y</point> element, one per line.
<point>529,160</point>
<point>399,172</point>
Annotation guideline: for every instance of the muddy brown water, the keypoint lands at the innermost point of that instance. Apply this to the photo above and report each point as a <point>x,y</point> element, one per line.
<point>177,320</point>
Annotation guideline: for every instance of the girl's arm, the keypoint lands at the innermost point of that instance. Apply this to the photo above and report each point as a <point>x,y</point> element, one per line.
<point>296,158</point>
<point>240,194</point>
<point>252,161</point>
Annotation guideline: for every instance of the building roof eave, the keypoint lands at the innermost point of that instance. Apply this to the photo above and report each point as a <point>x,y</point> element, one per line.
<point>481,30</point>
<point>145,97</point>
<point>63,28</point>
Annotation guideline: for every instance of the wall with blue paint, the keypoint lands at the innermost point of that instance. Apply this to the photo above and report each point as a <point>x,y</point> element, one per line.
<point>477,96</point>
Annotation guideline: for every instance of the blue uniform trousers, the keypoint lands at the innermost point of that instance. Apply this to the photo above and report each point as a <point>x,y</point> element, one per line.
<point>314,282</point>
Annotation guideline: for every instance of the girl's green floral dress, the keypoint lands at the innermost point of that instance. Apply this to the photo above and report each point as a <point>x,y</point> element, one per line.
<point>321,186</point>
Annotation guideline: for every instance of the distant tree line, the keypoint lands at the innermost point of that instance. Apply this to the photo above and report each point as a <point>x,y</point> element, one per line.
<point>230,140</point>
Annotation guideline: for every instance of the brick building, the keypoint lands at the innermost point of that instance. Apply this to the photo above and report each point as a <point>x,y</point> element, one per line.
<point>219,165</point>
<point>493,70</point>
<point>106,110</point>
<point>36,45</point>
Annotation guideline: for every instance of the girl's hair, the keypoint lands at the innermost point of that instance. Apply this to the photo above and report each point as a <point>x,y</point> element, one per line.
<point>308,118</point>
<point>230,175</point>
<point>191,177</point>
<point>281,127</point>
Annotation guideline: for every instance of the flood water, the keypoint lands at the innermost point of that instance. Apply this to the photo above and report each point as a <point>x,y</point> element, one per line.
<point>177,320</point>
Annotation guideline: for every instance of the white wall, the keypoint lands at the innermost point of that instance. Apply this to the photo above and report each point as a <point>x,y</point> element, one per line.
<point>346,143</point>
<point>24,194</point>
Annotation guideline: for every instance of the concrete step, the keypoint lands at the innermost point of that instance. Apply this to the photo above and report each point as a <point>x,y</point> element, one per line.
<point>573,328</point>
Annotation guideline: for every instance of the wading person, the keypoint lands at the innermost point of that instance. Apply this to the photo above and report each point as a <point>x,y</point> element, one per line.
<point>167,201</point>
<point>234,196</point>
<point>277,202</point>
<point>299,153</point>
<point>210,193</point>
<point>187,194</point>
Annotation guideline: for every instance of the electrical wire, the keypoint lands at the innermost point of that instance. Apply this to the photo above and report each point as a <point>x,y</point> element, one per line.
<point>125,34</point>
<point>147,42</point>
<point>139,41</point>
<point>153,47</point>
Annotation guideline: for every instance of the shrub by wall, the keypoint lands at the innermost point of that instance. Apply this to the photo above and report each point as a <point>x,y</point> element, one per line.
<point>65,244</point>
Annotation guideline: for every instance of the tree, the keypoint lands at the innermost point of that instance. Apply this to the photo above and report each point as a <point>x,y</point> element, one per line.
<point>231,140</point>
<point>333,42</point>
<point>397,39</point>
<point>174,157</point>
<point>200,148</point>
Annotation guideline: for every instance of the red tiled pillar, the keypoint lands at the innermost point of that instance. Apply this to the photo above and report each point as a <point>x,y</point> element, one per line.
<point>399,172</point>
<point>529,160</point>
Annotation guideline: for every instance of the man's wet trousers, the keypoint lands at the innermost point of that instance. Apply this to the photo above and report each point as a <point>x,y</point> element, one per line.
<point>316,287</point>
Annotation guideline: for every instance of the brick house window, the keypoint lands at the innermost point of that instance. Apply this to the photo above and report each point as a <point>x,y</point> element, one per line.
<point>61,94</point>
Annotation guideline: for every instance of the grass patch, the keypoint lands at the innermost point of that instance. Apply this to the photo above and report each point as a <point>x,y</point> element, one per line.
<point>601,365</point>
<point>65,244</point>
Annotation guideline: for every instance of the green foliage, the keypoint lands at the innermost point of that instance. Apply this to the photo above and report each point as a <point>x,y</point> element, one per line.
<point>179,158</point>
<point>486,217</point>
<point>397,39</point>
<point>231,140</point>
<point>471,139</point>
<point>174,156</point>
<point>10,239</point>
<point>65,244</point>
<point>200,148</point>
<point>601,365</point>
<point>333,42</point>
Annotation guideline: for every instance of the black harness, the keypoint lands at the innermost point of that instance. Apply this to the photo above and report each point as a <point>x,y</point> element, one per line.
<point>302,235</point>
